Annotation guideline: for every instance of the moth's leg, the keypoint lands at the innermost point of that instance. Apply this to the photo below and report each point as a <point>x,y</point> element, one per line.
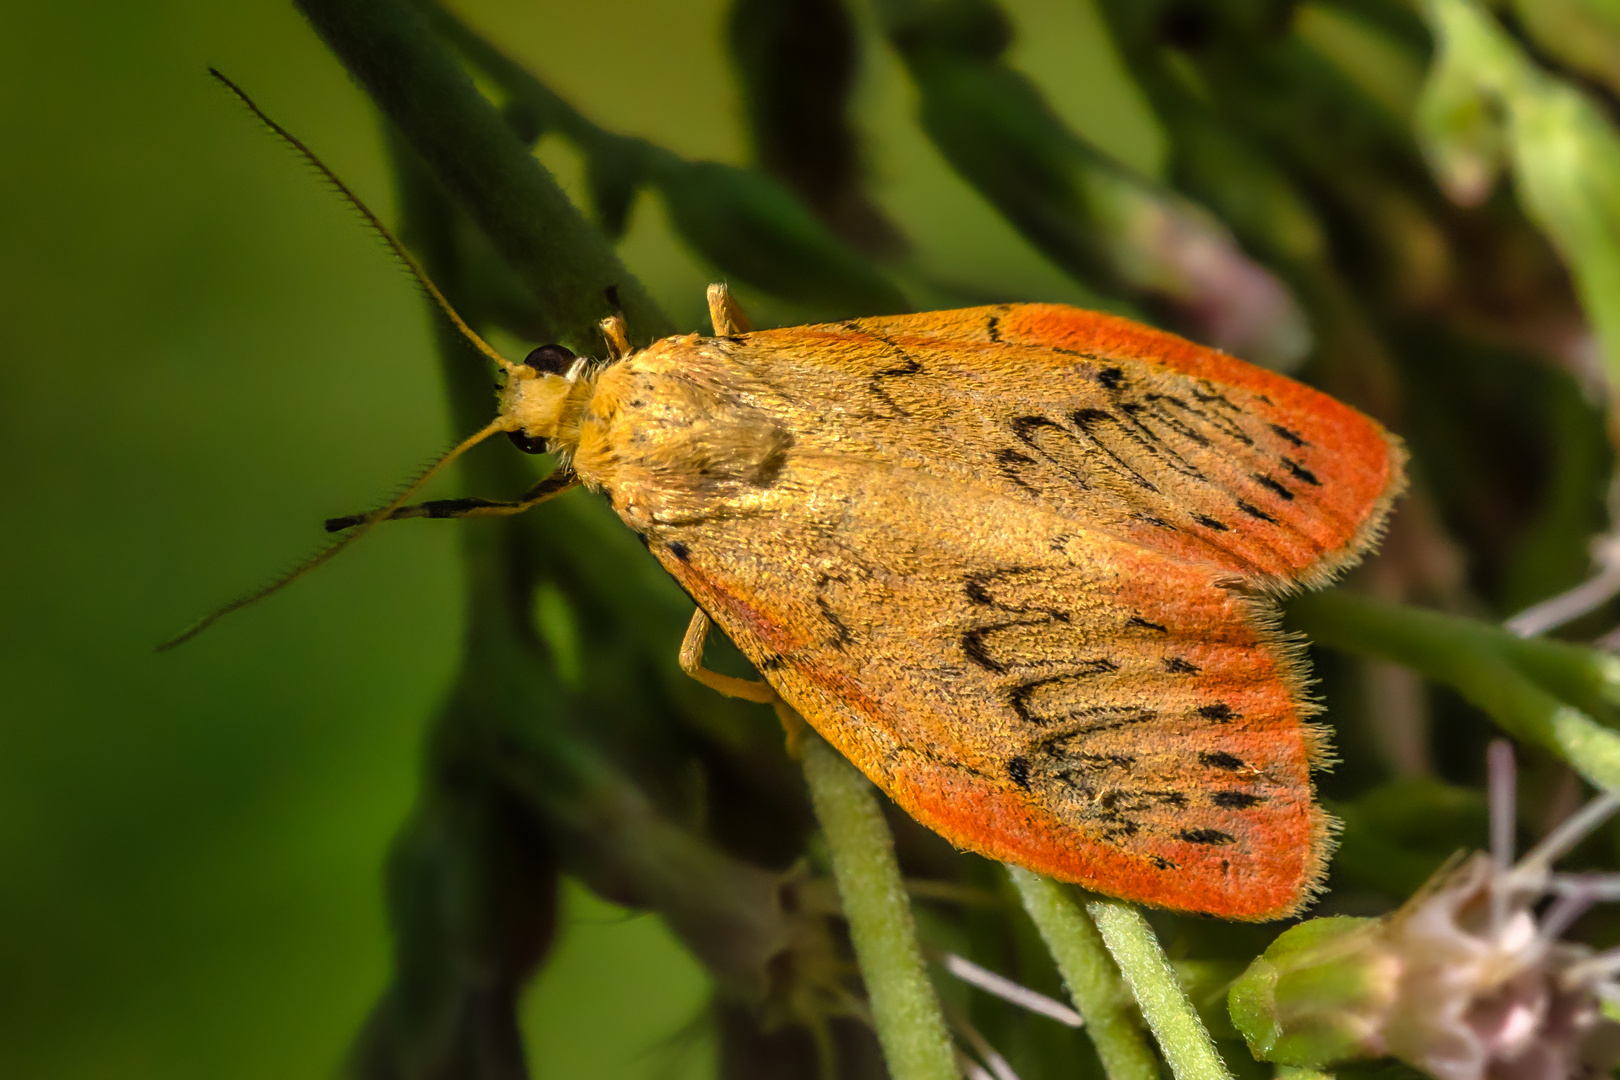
<point>725,313</point>
<point>793,725</point>
<point>552,486</point>
<point>697,635</point>
<point>617,333</point>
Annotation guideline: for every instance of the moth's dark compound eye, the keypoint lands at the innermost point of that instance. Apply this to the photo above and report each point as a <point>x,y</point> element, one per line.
<point>550,360</point>
<point>527,443</point>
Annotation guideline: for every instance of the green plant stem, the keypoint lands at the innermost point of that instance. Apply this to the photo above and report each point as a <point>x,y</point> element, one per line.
<point>561,258</point>
<point>909,1022</point>
<point>1527,686</point>
<point>1093,981</point>
<point>1171,1017</point>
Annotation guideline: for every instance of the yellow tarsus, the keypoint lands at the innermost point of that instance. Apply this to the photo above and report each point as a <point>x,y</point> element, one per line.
<point>697,634</point>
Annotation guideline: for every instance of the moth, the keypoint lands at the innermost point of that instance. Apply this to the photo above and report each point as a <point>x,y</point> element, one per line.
<point>1015,562</point>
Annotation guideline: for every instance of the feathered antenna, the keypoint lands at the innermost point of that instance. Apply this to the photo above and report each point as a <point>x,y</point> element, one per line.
<point>362,523</point>
<point>371,219</point>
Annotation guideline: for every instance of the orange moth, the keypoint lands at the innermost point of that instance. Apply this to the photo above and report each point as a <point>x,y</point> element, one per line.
<point>1014,562</point>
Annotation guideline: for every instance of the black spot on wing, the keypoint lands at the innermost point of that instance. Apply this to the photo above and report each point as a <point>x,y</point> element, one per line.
<point>1219,759</point>
<point>1151,423</point>
<point>1085,720</point>
<point>1025,426</point>
<point>1216,414</point>
<point>680,551</point>
<point>1011,463</point>
<point>1113,377</point>
<point>992,328</point>
<point>1181,419</point>
<point>1206,836</point>
<point>1090,422</point>
<point>841,633</point>
<point>1220,712</point>
<point>1235,800</point>
<point>1272,486</point>
<point>1255,512</point>
<point>976,587</point>
<point>1291,436</point>
<point>878,385</point>
<point>1138,621</point>
<point>1209,523</point>
<point>1018,771</point>
<point>1300,472</point>
<point>910,366</point>
<point>979,588</point>
<point>973,645</point>
<point>1175,665</point>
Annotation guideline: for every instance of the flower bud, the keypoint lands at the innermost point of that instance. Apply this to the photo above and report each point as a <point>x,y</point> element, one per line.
<point>1467,981</point>
<point>1321,993</point>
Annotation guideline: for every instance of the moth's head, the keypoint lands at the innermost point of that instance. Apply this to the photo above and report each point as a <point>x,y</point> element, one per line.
<point>540,399</point>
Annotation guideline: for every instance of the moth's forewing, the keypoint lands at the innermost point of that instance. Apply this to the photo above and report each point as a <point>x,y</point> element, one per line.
<point>1139,433</point>
<point>1005,559</point>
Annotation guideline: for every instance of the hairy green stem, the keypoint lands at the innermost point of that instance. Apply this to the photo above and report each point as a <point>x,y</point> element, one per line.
<point>1187,1047</point>
<point>1539,691</point>
<point>561,258</point>
<point>909,1022</point>
<point>1090,975</point>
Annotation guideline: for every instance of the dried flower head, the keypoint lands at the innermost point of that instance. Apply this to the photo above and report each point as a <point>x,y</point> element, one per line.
<point>1469,980</point>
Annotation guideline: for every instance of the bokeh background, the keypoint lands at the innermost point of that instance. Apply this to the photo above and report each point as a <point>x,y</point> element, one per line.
<point>201,357</point>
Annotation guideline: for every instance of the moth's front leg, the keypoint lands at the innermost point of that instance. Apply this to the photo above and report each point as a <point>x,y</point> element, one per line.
<point>697,635</point>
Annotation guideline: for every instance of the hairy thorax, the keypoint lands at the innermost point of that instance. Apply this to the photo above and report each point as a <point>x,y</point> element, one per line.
<point>670,445</point>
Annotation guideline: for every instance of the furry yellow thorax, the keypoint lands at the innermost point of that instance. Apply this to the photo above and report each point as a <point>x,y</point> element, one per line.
<point>546,406</point>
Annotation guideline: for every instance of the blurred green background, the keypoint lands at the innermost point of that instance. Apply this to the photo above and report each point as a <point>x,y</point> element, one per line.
<point>204,356</point>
